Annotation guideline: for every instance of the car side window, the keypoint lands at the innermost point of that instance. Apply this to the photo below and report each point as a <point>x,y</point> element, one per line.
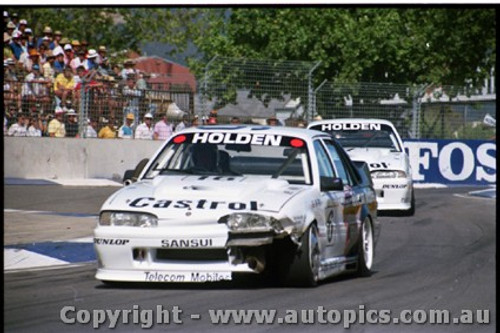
<point>324,165</point>
<point>339,165</point>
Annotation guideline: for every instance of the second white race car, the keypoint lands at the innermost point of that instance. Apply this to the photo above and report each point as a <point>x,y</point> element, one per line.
<point>377,142</point>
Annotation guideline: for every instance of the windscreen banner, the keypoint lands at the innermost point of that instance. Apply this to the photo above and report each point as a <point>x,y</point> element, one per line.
<point>453,162</point>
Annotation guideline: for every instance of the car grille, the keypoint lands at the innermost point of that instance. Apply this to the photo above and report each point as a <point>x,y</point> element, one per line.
<point>191,254</point>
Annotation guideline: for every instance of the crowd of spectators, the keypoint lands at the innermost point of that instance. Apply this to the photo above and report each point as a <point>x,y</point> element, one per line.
<point>48,75</point>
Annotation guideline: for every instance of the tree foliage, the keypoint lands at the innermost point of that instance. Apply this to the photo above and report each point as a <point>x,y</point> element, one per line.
<point>401,45</point>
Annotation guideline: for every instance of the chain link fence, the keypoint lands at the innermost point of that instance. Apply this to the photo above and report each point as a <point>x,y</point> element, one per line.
<point>253,91</point>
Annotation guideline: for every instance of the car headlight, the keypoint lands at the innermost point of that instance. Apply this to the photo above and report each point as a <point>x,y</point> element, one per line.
<point>128,219</point>
<point>249,221</point>
<point>388,174</point>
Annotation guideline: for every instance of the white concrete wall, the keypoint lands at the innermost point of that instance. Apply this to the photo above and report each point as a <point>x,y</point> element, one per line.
<point>70,158</point>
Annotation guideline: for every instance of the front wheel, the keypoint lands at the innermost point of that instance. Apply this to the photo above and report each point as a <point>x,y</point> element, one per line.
<point>366,249</point>
<point>303,269</point>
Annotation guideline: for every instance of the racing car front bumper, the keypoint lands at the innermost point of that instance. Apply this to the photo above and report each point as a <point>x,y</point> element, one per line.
<point>163,254</point>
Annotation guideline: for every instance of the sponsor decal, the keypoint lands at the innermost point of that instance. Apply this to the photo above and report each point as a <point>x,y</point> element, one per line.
<point>191,204</point>
<point>185,277</point>
<point>394,186</point>
<point>210,277</point>
<point>351,127</point>
<point>110,241</point>
<point>195,242</point>
<point>237,138</point>
<point>163,277</point>
<point>452,161</point>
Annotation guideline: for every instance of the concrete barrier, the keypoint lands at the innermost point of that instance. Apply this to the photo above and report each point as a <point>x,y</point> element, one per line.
<point>70,158</point>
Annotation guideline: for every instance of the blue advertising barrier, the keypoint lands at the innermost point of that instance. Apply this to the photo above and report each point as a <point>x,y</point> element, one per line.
<point>457,162</point>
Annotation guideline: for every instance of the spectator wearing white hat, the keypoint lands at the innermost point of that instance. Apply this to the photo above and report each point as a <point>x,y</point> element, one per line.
<point>125,131</point>
<point>21,26</point>
<point>71,124</point>
<point>56,128</point>
<point>16,45</point>
<point>59,64</point>
<point>91,61</point>
<point>145,130</point>
<point>31,39</point>
<point>90,129</point>
<point>7,35</point>
<point>47,37</point>
<point>69,54</point>
<point>78,61</point>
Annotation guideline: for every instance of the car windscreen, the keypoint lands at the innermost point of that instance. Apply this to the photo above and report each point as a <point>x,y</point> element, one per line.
<point>234,154</point>
<point>364,135</point>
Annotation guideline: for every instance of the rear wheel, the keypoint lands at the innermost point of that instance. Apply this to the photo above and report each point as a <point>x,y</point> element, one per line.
<point>366,249</point>
<point>303,268</point>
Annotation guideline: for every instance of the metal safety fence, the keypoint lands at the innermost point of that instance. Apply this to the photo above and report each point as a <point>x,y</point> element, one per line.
<point>250,91</point>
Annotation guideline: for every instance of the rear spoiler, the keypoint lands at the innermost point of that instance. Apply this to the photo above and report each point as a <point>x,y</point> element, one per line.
<point>364,172</point>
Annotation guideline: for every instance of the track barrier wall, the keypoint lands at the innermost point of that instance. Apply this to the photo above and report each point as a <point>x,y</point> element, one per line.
<point>460,162</point>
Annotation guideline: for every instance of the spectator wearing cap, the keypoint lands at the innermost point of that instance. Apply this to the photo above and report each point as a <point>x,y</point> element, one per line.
<point>31,39</point>
<point>125,131</point>
<point>128,69</point>
<point>56,128</point>
<point>56,40</point>
<point>64,85</point>
<point>32,58</point>
<point>162,130</point>
<point>16,45</point>
<point>7,35</point>
<point>91,61</point>
<point>34,89</point>
<point>71,124</point>
<point>90,127</point>
<point>78,61</point>
<point>108,131</point>
<point>61,44</point>
<point>102,51</point>
<point>59,64</point>
<point>49,70</point>
<point>21,26</point>
<point>145,130</point>
<point>69,55</point>
<point>47,37</point>
<point>132,97</point>
<point>19,128</point>
<point>195,122</point>
<point>15,19</point>
<point>6,17</point>
<point>75,44</point>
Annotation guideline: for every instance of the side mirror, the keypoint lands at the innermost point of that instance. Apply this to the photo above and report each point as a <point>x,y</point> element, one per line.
<point>331,184</point>
<point>131,176</point>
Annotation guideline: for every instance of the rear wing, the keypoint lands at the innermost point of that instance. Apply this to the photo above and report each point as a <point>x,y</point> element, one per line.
<point>364,172</point>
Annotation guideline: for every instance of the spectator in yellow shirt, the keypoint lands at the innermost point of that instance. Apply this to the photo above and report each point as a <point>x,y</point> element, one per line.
<point>64,85</point>
<point>108,131</point>
<point>56,126</point>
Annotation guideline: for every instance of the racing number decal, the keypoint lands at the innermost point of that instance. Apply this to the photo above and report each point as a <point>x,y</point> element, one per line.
<point>382,165</point>
<point>329,226</point>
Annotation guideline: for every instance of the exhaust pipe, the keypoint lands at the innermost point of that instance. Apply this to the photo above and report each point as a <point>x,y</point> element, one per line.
<point>127,182</point>
<point>255,264</point>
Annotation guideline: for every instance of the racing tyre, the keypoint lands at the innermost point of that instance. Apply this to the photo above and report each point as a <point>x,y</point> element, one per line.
<point>411,211</point>
<point>303,267</point>
<point>366,249</point>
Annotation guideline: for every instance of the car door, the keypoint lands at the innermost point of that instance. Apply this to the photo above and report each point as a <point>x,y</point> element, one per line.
<point>330,215</point>
<point>353,193</point>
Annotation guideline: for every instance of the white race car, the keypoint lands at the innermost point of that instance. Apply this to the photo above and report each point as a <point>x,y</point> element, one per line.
<point>377,142</point>
<point>217,202</point>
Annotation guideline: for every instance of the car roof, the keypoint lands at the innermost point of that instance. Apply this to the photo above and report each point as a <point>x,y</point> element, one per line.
<point>302,133</point>
<point>352,120</point>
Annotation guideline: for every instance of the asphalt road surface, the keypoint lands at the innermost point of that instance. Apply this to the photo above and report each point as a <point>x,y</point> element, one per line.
<point>443,258</point>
